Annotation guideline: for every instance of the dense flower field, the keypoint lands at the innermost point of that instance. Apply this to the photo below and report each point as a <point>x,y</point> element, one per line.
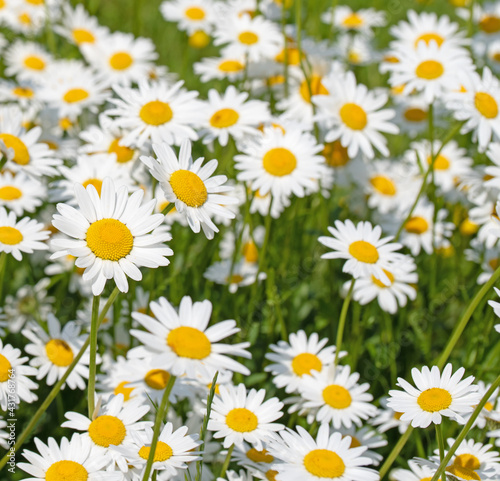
<point>249,239</point>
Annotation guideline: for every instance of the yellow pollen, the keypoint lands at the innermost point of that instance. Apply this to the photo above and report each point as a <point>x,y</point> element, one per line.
<point>248,38</point>
<point>21,153</point>
<point>199,39</point>
<point>416,225</point>
<point>73,96</point>
<point>338,397</point>
<point>490,24</point>
<point>195,13</point>
<point>468,461</point>
<point>24,92</point>
<point>241,420</point>
<point>293,56</point>
<point>25,18</point>
<point>426,479</point>
<point>121,61</point>
<point>34,63</point>
<point>97,183</point>
<point>429,70</point>
<point>189,188</point>
<point>106,430</point>
<point>354,443</point>
<point>5,366</point>
<point>427,37</point>
<point>397,415</point>
<point>434,399</point>
<point>494,263</point>
<point>123,154</point>
<point>163,452</point>
<point>35,2</point>
<point>231,66</point>
<point>109,239</point>
<point>441,162</point>
<point>486,105</point>
<point>235,279</point>
<point>496,57</point>
<point>391,59</point>
<point>9,192</point>
<point>380,284</point>
<point>66,471</point>
<point>10,235</point>
<point>335,154</point>
<point>324,463</point>
<point>80,35</point>
<point>65,123</point>
<point>314,87</point>
<point>488,406</point>
<point>305,362</point>
<point>121,389</point>
<point>259,456</point>
<point>414,114</point>
<point>156,113</point>
<point>353,20</point>
<point>364,252</point>
<point>271,474</point>
<point>467,227</point>
<point>189,342</point>
<point>279,162</point>
<point>463,473</point>
<point>353,116</point>
<point>59,352</point>
<point>384,185</point>
<point>157,379</point>
<point>224,118</point>
<point>250,252</point>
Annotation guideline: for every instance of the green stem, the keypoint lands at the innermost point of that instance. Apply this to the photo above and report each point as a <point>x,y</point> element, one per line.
<point>465,430</point>
<point>440,441</point>
<point>93,355</point>
<point>160,416</point>
<point>395,452</point>
<point>170,206</point>
<point>343,317</point>
<point>226,461</point>
<point>285,48</point>
<point>3,263</point>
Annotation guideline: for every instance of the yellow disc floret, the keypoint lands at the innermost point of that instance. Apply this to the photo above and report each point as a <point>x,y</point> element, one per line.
<point>10,235</point>
<point>106,430</point>
<point>306,362</point>
<point>59,352</point>
<point>109,239</point>
<point>21,153</point>
<point>189,188</point>
<point>279,161</point>
<point>338,397</point>
<point>364,252</point>
<point>156,112</point>
<point>189,342</point>
<point>66,471</point>
<point>324,463</point>
<point>434,399</point>
<point>241,420</point>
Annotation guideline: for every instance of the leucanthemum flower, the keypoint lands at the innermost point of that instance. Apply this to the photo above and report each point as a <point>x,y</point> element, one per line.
<point>183,340</point>
<point>111,235</point>
<point>386,418</point>
<point>238,415</point>
<point>20,193</point>
<point>362,21</point>
<point>25,94</point>
<point>190,15</point>
<point>329,456</point>
<point>368,437</point>
<point>234,275</point>
<point>436,395</point>
<point>196,194</point>
<point>416,472</point>
<point>220,68</point>
<point>26,61</point>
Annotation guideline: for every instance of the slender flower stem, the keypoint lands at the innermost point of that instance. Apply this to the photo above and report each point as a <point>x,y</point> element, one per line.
<point>170,206</point>
<point>160,416</point>
<point>93,355</point>
<point>440,441</point>
<point>395,452</point>
<point>285,48</point>
<point>343,317</point>
<point>226,461</point>
<point>3,263</point>
<point>465,430</point>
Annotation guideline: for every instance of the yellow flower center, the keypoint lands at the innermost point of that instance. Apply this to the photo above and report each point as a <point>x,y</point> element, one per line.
<point>338,397</point>
<point>224,118</point>
<point>235,279</point>
<point>271,474</point>
<point>195,13</point>
<point>21,153</point>
<point>189,188</point>
<point>384,185</point>
<point>163,452</point>
<point>35,2</point>
<point>231,66</point>
<point>250,252</point>
<point>109,239</point>
<point>314,87</point>
<point>199,39</point>
<point>488,406</point>
<point>397,416</point>
<point>25,18</point>
<point>259,456</point>
<point>97,183</point>
<point>467,461</point>
<point>5,366</point>
<point>66,471</point>
<point>429,69</point>
<point>352,20</point>
<point>335,154</point>
<point>59,352</point>
<point>324,463</point>
<point>248,38</point>
<point>156,112</point>
<point>73,96</point>
<point>106,430</point>
<point>279,162</point>
<point>305,362</point>
<point>486,105</point>
<point>380,284</point>
<point>354,443</point>
<point>121,61</point>
<point>434,399</point>
<point>80,35</point>
<point>293,56</point>
<point>441,162</point>
<point>23,92</point>
<point>364,252</point>
<point>157,379</point>
<point>123,154</point>
<point>465,466</point>
<point>427,37</point>
<point>490,24</point>
<point>353,116</point>
<point>415,114</point>
<point>121,389</point>
<point>10,235</point>
<point>65,123</point>
<point>242,420</point>
<point>189,342</point>
<point>9,192</point>
<point>496,56</point>
<point>416,225</point>
<point>34,63</point>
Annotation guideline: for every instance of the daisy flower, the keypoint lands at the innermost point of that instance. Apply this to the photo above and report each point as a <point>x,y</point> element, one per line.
<point>155,111</point>
<point>347,19</point>
<point>12,366</point>
<point>365,252</point>
<point>26,61</point>
<point>496,308</point>
<point>25,94</point>
<point>4,435</point>
<point>112,235</point>
<point>183,340</point>
<point>235,275</point>
<point>386,418</point>
<point>353,115</point>
<point>55,351</point>
<point>220,68</point>
<point>20,193</point>
<point>296,359</point>
<point>232,115</point>
<point>437,395</point>
<point>368,437</point>
<point>337,397</point>
<point>190,15</point>
<point>73,459</point>
<point>25,235</point>
<point>196,194</point>
<point>282,163</point>
<point>416,472</point>
<point>329,456</point>
<point>238,415</point>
